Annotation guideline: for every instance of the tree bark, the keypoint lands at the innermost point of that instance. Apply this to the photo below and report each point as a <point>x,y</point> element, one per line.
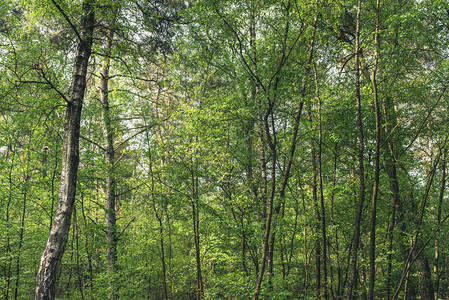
<point>318,254</point>
<point>22,228</point>
<point>8,264</point>
<point>437,234</point>
<point>196,231</point>
<point>111,220</point>
<point>426,290</point>
<point>372,249</point>
<point>358,216</point>
<point>320,181</point>
<point>397,215</point>
<point>255,94</point>
<point>272,142</point>
<point>55,247</point>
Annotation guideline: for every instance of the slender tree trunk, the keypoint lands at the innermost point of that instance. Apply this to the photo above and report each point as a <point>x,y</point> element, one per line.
<point>320,182</point>
<point>86,246</point>
<point>417,246</point>
<point>265,247</point>
<point>79,271</point>
<point>53,188</point>
<point>317,212</point>
<point>282,247</point>
<point>272,142</point>
<point>8,266</point>
<point>390,239</point>
<point>436,271</point>
<point>161,241</point>
<point>359,209</point>
<point>261,147</point>
<point>111,219</point>
<point>67,288</point>
<point>305,248</point>
<point>196,234</point>
<point>335,291</point>
<point>55,247</point>
<point>372,249</point>
<point>292,239</point>
<point>259,121</point>
<point>22,228</point>
<point>397,214</point>
<point>159,217</point>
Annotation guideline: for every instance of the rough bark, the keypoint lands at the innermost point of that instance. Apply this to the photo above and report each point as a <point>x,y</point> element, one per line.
<point>56,243</point>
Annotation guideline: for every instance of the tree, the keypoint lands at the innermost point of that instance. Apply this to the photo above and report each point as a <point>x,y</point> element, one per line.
<point>359,208</point>
<point>55,247</point>
<point>194,145</point>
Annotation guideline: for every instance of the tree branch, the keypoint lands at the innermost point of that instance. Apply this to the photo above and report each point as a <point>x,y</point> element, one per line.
<point>67,19</point>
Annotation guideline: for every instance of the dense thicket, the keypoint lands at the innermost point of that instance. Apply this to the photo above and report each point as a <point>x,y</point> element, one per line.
<point>259,149</point>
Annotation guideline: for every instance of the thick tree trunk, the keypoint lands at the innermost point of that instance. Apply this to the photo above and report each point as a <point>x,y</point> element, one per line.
<point>358,216</point>
<point>55,247</point>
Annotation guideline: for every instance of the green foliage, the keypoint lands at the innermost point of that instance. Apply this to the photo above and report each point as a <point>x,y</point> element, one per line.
<point>189,89</point>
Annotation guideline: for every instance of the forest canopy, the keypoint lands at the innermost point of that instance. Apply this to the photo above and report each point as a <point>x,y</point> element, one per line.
<point>205,149</point>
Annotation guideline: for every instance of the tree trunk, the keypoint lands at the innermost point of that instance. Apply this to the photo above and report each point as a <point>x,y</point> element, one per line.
<point>437,234</point>
<point>372,249</point>
<point>272,142</point>
<point>55,247</point>
<point>397,215</point>
<point>8,263</point>
<point>417,246</point>
<point>426,290</point>
<point>111,220</point>
<point>320,182</point>
<point>337,293</point>
<point>22,228</point>
<point>196,234</point>
<point>259,121</point>
<point>317,212</point>
<point>358,216</point>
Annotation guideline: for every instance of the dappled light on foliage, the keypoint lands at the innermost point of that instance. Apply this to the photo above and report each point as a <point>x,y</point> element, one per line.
<point>170,149</point>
